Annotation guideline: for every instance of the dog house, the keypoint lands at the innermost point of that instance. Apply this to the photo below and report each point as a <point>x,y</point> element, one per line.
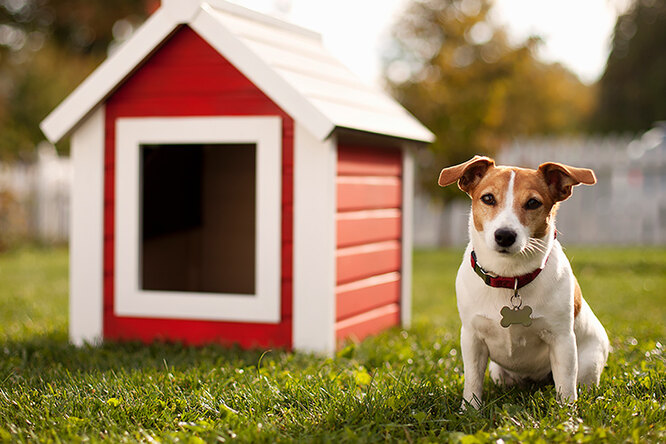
<point>235,183</point>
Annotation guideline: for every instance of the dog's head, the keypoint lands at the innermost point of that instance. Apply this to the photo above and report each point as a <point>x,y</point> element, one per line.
<point>513,206</point>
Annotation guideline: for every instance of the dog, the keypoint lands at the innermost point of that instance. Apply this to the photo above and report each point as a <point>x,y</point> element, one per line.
<point>518,299</point>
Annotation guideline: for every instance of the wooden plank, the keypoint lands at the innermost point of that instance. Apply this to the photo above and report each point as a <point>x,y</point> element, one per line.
<point>368,323</point>
<point>407,238</point>
<point>314,242</point>
<point>271,31</point>
<point>362,193</point>
<point>288,223</point>
<point>306,60</point>
<point>367,161</point>
<point>364,227</point>
<point>361,296</point>
<point>286,304</point>
<point>246,335</point>
<point>108,254</point>
<point>355,263</point>
<point>287,258</point>
<point>337,90</point>
<point>207,82</point>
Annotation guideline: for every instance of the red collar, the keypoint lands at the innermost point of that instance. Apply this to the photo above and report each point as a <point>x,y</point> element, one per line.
<point>503,281</point>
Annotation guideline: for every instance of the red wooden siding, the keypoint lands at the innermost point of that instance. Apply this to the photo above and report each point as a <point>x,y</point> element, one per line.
<point>363,193</point>
<point>368,323</point>
<point>357,227</point>
<point>363,261</point>
<point>366,294</point>
<point>369,231</point>
<point>355,160</point>
<point>187,77</point>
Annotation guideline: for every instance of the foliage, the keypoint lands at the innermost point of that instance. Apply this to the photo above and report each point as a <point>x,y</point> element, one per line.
<point>454,70</point>
<point>633,87</point>
<point>402,385</point>
<point>47,47</point>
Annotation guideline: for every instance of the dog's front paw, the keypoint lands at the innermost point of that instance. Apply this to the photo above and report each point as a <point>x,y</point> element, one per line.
<point>474,402</point>
<point>567,398</point>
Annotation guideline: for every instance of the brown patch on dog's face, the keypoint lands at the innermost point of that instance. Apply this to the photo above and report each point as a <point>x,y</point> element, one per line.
<point>534,194</point>
<point>495,183</point>
<point>533,203</point>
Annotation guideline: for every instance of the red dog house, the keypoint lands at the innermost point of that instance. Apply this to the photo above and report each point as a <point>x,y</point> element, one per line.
<point>235,183</point>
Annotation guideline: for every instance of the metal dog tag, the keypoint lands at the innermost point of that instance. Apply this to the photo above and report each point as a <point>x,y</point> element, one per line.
<point>516,314</point>
<point>511,316</point>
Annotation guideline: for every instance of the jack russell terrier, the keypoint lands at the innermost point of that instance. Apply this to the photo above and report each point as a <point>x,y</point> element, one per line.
<point>519,302</point>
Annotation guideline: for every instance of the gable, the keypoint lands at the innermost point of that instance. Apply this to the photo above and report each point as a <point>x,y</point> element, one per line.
<point>187,76</point>
<point>278,58</point>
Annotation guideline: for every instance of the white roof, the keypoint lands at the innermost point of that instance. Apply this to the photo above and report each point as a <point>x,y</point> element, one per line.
<point>288,63</point>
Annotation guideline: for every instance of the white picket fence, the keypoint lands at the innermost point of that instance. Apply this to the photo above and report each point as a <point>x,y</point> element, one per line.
<point>36,197</point>
<point>626,206</point>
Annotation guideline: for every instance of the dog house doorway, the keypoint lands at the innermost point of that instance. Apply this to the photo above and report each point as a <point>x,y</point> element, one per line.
<point>198,218</point>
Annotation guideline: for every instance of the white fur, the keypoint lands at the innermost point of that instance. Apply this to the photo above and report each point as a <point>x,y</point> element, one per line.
<point>574,350</point>
<point>507,219</point>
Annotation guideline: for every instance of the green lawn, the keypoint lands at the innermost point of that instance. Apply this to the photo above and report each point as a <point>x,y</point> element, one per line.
<point>400,386</point>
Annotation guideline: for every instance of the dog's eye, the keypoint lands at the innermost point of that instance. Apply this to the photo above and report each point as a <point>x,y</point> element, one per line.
<point>488,199</point>
<point>532,204</point>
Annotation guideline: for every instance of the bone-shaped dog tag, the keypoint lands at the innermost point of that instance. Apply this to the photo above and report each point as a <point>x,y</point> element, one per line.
<point>511,316</point>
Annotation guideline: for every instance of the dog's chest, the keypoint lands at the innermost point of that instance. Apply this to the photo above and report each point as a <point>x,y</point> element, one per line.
<point>517,348</point>
<point>514,347</point>
<point>516,336</point>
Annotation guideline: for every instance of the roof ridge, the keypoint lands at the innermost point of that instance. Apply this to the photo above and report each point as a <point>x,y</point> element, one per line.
<point>241,11</point>
<point>319,113</point>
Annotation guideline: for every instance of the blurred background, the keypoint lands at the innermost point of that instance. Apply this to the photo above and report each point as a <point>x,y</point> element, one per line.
<point>582,83</point>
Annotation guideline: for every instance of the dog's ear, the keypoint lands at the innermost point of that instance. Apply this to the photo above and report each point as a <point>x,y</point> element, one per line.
<point>468,174</point>
<point>561,178</point>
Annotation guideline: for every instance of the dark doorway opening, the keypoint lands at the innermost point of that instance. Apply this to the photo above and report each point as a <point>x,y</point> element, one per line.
<point>198,218</point>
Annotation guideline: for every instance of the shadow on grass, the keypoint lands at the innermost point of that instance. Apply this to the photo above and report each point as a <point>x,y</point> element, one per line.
<point>53,351</point>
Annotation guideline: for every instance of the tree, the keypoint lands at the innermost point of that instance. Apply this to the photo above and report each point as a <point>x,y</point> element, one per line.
<point>454,69</point>
<point>632,90</point>
<point>47,47</point>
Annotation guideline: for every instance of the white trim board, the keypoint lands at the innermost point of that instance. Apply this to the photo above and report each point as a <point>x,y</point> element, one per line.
<point>95,88</point>
<point>407,234</point>
<point>86,242</point>
<point>314,242</point>
<point>266,134</point>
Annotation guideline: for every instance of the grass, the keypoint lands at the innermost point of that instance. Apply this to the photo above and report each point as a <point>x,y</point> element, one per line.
<point>398,386</point>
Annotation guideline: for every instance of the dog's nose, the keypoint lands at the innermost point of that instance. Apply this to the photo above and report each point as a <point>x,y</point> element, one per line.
<point>505,237</point>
